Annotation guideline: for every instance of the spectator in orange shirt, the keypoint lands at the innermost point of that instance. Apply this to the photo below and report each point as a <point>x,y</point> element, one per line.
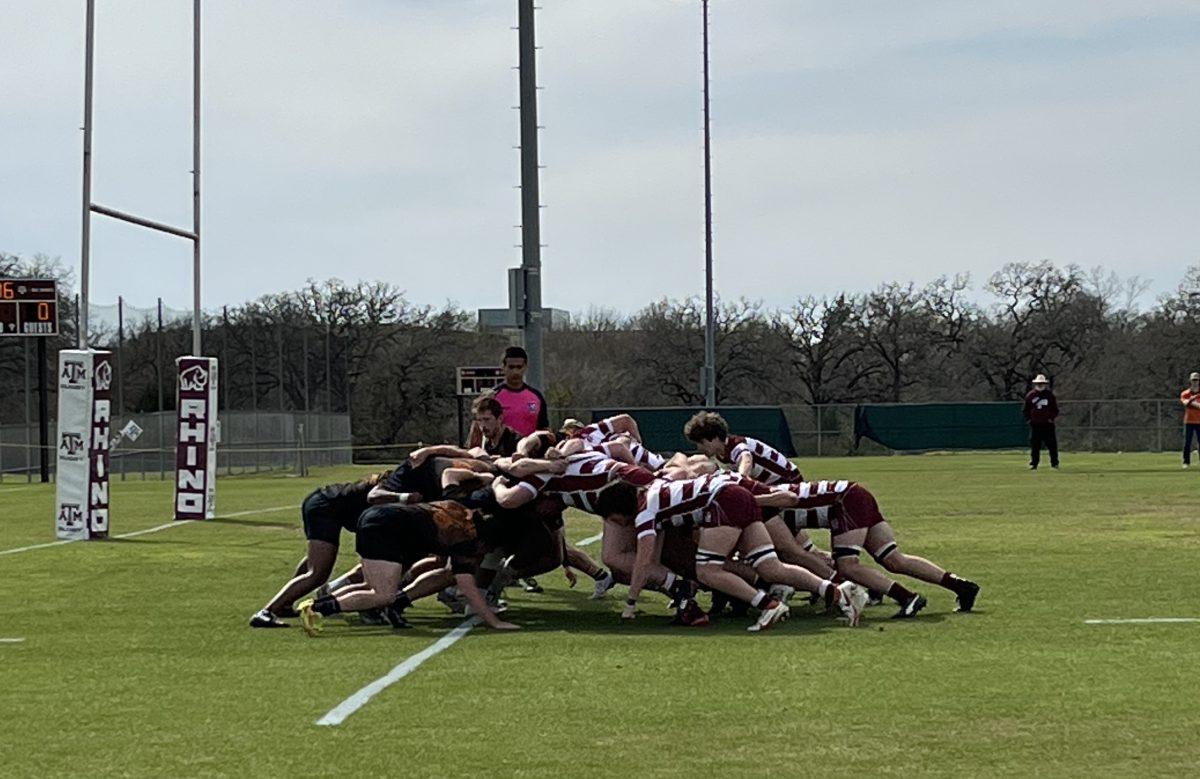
<point>1190,398</point>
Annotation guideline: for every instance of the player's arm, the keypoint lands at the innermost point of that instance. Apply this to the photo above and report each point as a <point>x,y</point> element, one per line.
<point>475,437</point>
<point>619,452</point>
<point>512,495</point>
<point>470,591</point>
<point>623,424</point>
<point>528,466</point>
<point>380,495</point>
<point>777,499</point>
<point>642,562</point>
<point>440,450</point>
<point>745,463</point>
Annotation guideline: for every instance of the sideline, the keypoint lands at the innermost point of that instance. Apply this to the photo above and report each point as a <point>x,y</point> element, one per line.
<point>147,531</point>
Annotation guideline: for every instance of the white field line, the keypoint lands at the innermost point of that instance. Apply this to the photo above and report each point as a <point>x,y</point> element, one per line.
<point>590,539</point>
<point>148,530</point>
<point>1141,621</point>
<point>11,640</point>
<point>338,714</point>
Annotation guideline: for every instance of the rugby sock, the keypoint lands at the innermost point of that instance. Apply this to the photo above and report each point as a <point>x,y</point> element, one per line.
<point>759,598</point>
<point>837,578</point>
<point>402,602</point>
<point>669,581</point>
<point>827,590</point>
<point>600,575</point>
<point>952,582</point>
<point>897,593</point>
<point>341,581</point>
<point>326,605</point>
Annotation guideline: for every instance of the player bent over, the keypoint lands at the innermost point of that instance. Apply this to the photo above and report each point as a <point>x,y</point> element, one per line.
<point>391,538</point>
<point>855,524</point>
<point>326,513</point>
<point>728,518</point>
<point>748,456</point>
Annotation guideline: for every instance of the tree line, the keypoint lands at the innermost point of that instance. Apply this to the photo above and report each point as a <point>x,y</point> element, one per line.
<point>364,348</point>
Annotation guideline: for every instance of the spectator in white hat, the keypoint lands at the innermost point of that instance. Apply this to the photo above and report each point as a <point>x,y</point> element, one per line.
<point>1190,398</point>
<point>1041,408</point>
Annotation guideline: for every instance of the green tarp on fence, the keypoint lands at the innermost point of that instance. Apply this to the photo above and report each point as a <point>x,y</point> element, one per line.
<point>912,426</point>
<point>662,428</point>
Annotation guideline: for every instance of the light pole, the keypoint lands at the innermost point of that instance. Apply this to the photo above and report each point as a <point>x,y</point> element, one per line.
<point>710,372</point>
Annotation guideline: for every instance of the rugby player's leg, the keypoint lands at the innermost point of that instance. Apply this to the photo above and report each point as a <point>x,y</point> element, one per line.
<point>847,546</point>
<point>311,574</point>
<point>757,550</point>
<point>791,550</point>
<point>881,544</point>
<point>580,560</point>
<point>618,550</point>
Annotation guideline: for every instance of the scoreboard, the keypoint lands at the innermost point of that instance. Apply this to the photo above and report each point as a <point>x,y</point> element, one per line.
<point>478,380</point>
<point>28,307</point>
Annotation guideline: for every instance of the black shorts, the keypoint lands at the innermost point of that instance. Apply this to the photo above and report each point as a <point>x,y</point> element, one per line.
<point>321,520</point>
<point>398,534</point>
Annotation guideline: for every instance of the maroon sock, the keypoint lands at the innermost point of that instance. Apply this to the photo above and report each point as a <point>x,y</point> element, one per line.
<point>897,593</point>
<point>829,591</point>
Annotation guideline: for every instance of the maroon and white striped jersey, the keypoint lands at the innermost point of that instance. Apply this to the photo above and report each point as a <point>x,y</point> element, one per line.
<point>641,455</point>
<point>598,432</point>
<point>678,503</point>
<point>587,474</point>
<point>769,464</point>
<point>817,499</point>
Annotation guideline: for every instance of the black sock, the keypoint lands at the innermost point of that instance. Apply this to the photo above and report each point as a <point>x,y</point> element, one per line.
<point>897,593</point>
<point>601,574</point>
<point>955,584</point>
<point>326,605</point>
<point>402,602</point>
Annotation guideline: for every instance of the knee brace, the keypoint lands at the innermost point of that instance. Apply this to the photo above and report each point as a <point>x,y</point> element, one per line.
<point>846,551</point>
<point>760,555</point>
<point>705,557</point>
<point>882,554</point>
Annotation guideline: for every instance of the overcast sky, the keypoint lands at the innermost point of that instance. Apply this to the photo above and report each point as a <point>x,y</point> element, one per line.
<point>854,143</point>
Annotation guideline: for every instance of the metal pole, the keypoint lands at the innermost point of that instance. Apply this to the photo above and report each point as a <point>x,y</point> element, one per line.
<point>279,353</point>
<point>254,392</point>
<point>710,361</point>
<point>531,234</point>
<point>43,411</point>
<point>195,177</point>
<point>305,346</point>
<point>120,371</point>
<point>81,338</point>
<point>328,371</point>
<point>158,362</point>
<point>28,412</point>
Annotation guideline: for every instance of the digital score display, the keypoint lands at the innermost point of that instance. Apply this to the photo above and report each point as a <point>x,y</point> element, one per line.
<point>28,307</point>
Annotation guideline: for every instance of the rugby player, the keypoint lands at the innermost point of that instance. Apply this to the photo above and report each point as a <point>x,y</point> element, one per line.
<point>855,524</point>
<point>326,512</point>
<point>748,456</point>
<point>392,538</point>
<point>728,518</point>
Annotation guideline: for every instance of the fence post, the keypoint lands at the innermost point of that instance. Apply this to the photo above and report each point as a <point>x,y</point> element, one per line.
<point>116,418</point>
<point>818,408</point>
<point>1091,427</point>
<point>1159,425</point>
<point>158,361</point>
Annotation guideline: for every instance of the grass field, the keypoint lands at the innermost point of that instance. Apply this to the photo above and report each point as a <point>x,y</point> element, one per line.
<point>137,661</point>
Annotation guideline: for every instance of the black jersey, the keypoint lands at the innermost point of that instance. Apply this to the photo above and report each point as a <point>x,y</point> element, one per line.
<point>506,444</point>
<point>345,501</point>
<point>408,533</point>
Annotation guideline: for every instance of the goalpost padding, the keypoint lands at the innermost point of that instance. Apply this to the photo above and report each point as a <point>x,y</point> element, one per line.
<point>196,438</point>
<point>84,416</point>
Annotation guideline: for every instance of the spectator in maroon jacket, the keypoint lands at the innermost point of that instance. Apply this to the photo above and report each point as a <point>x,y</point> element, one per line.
<point>1040,409</point>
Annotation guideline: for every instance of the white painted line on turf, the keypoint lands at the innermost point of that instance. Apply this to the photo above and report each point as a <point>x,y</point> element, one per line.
<point>149,530</point>
<point>339,713</point>
<point>1141,621</point>
<point>590,539</point>
<point>11,640</point>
